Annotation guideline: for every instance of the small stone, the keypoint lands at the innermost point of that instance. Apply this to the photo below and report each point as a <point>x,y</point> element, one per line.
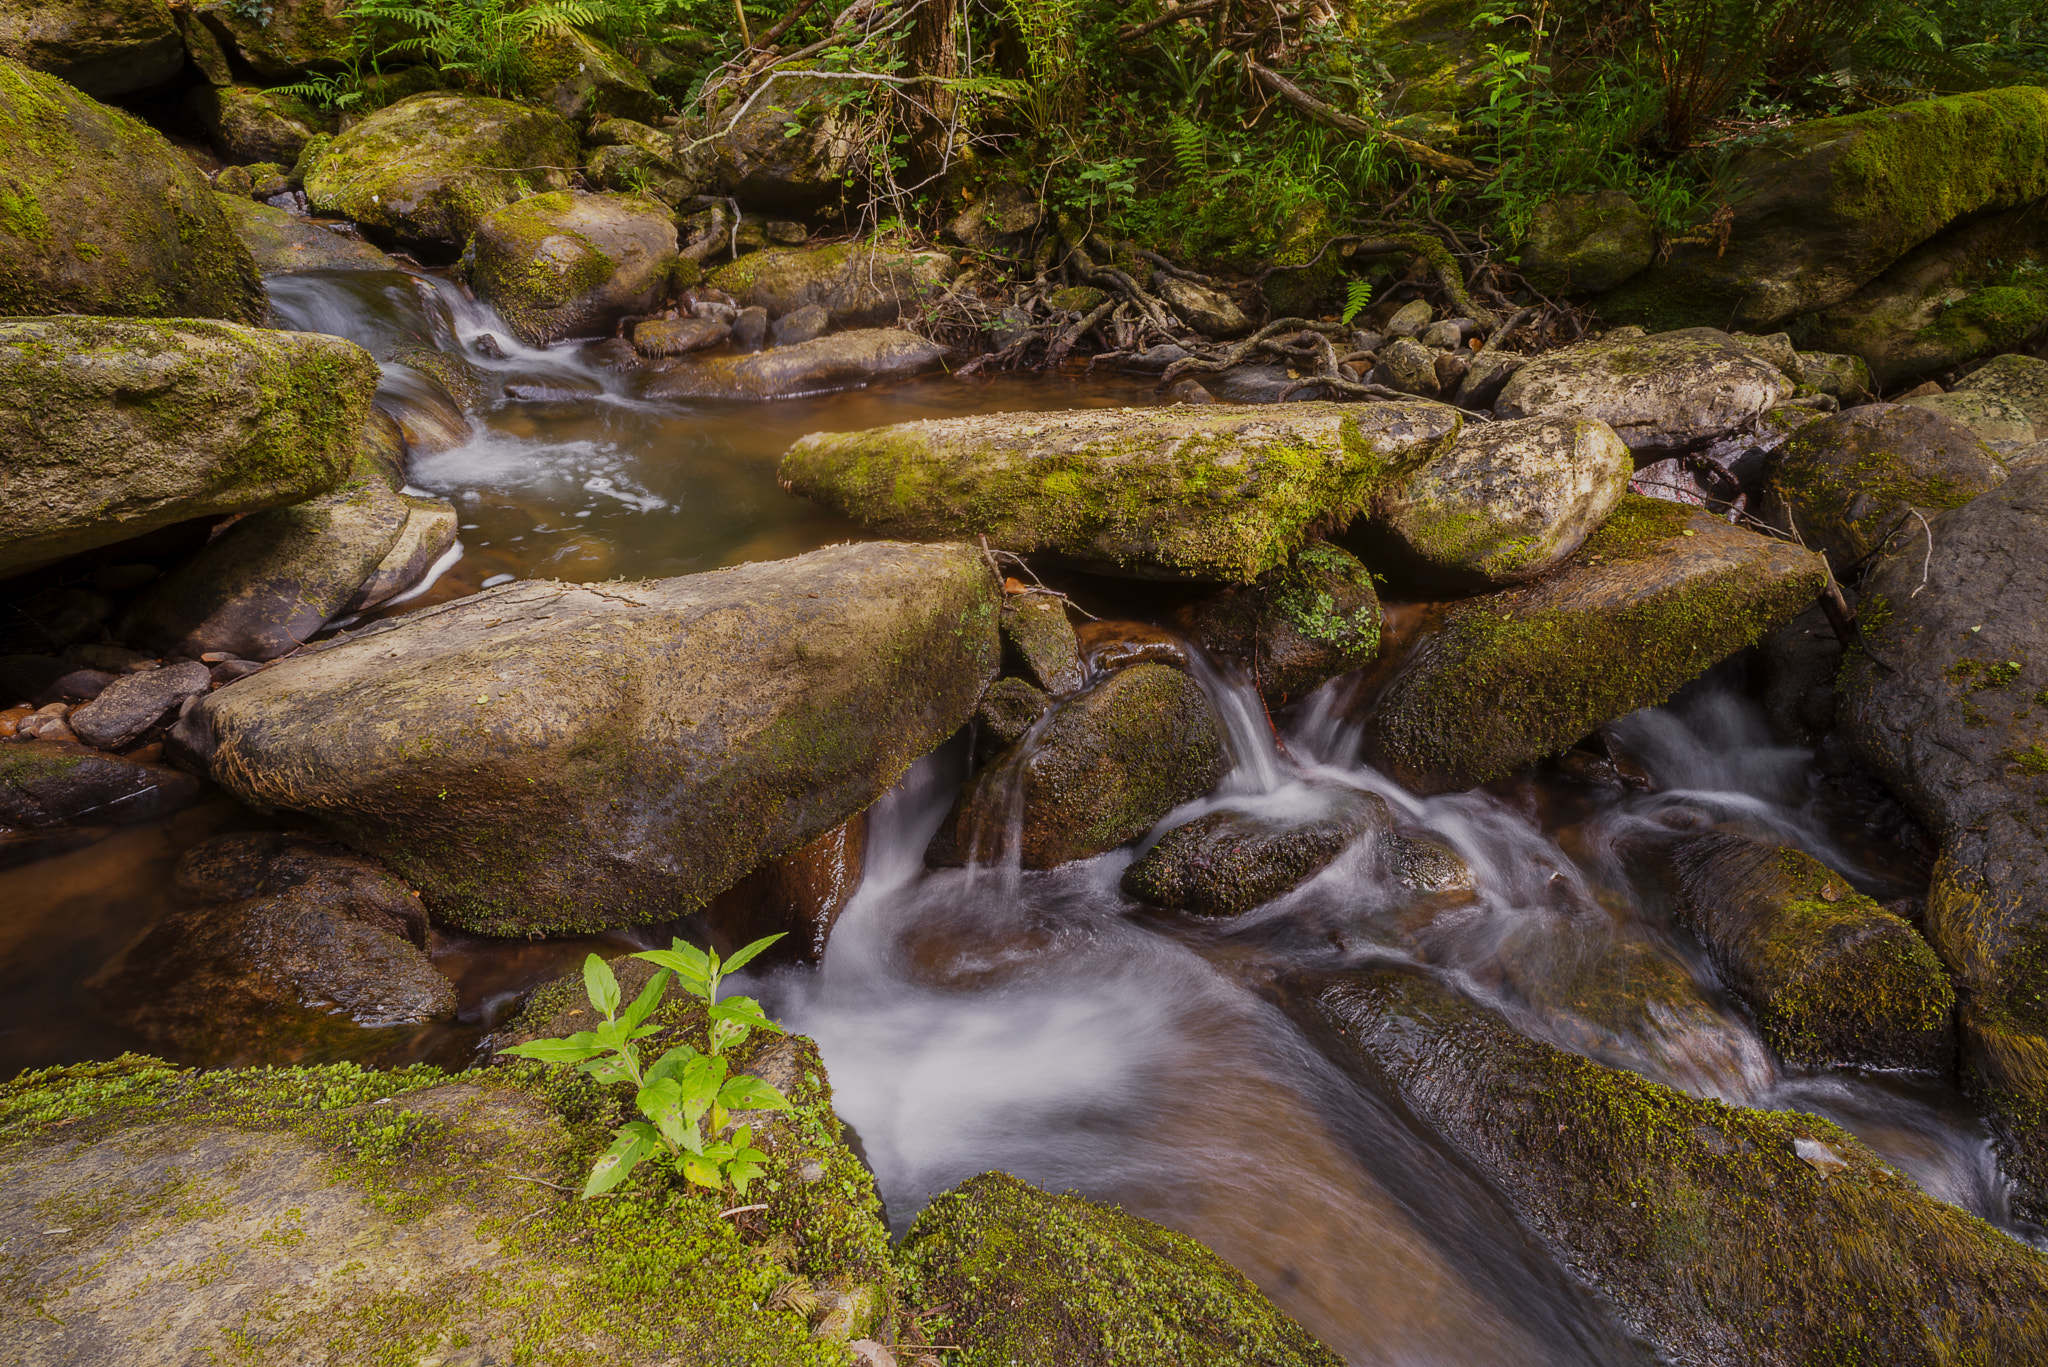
<point>750,328</point>
<point>1444,335</point>
<point>1040,642</point>
<point>1119,645</point>
<point>1409,366</point>
<point>801,325</point>
<point>1010,708</point>
<point>1410,319</point>
<point>678,337</point>
<point>1188,390</point>
<point>131,705</point>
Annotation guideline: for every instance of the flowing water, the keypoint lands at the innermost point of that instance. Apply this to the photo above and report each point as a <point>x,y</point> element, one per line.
<point>1041,1023</point>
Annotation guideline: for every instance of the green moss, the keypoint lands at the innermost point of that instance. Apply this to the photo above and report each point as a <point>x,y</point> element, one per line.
<point>1995,318</point>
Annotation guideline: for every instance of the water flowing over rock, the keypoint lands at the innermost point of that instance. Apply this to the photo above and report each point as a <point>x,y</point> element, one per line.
<point>857,288</point>
<point>114,428</point>
<point>1666,392</point>
<point>281,242</point>
<point>545,757</point>
<point>108,47</point>
<point>1228,862</point>
<point>572,264</point>
<point>1215,492</point>
<point>1651,600</point>
<point>1296,627</point>
<point>66,160</point>
<point>844,360</point>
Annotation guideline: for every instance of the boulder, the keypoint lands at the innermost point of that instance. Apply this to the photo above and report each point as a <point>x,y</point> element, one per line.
<point>1825,206</point>
<point>280,40</point>
<point>1507,502</point>
<point>1833,979</point>
<point>425,172</point>
<point>247,125</point>
<point>1662,393</point>
<point>1651,600</point>
<point>801,325</point>
<point>1993,419</point>
<point>633,157</point>
<point>1843,378</point>
<point>1846,481</point>
<point>1484,379</point>
<point>1010,708</point>
<point>1409,366</point>
<point>63,160</point>
<point>44,783</point>
<point>677,733</point>
<point>572,264</point>
<point>113,428</point>
<point>678,336</point>
<point>1297,626</point>
<point>282,243</point>
<point>1219,492</point>
<point>128,707</point>
<point>427,535</point>
<point>1587,244</point>
<point>1209,312</point>
<point>1658,1197</point>
<point>2021,381</point>
<point>844,360</point>
<point>1127,1293</point>
<point>110,47</point>
<point>1943,702</point>
<point>582,79</point>
<point>857,288</point>
<point>1230,861</point>
<point>1039,641</point>
<point>792,144</point>
<point>1113,760</point>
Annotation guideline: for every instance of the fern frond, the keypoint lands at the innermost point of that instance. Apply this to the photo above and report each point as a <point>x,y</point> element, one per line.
<point>1357,294</point>
<point>1190,146</point>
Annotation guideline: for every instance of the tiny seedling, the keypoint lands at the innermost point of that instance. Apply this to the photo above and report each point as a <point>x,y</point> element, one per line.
<point>683,1088</point>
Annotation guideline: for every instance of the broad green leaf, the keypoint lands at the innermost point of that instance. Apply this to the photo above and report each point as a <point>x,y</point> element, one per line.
<point>610,1070</point>
<point>649,998</point>
<point>745,1010</point>
<point>555,1050</point>
<point>602,985</point>
<point>702,1171</point>
<point>617,1163</point>
<point>741,958</point>
<point>673,1062</point>
<point>748,1093</point>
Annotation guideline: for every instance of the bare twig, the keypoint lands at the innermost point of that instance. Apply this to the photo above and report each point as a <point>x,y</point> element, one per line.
<point>1353,126</point>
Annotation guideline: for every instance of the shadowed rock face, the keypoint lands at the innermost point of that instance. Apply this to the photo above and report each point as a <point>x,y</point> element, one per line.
<point>676,733</point>
<point>107,47</point>
<point>1298,626</point>
<point>47,783</point>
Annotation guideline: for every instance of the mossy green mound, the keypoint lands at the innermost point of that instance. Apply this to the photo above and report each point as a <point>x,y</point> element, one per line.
<point>571,264</point>
<point>1587,244</point>
<point>99,214</point>
<point>249,125</point>
<point>1030,1277</point>
<point>1298,626</point>
<point>281,242</point>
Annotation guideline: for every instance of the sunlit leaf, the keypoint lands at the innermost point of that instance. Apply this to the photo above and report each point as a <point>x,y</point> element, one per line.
<point>602,985</point>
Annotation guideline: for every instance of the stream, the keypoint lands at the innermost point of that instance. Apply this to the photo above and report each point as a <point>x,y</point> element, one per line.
<point>1039,1022</point>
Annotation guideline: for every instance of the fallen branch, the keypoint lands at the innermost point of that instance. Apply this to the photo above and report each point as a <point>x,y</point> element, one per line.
<point>1420,153</point>
<point>1173,12</point>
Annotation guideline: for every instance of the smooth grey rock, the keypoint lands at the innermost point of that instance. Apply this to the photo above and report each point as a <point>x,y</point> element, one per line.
<point>1660,393</point>
<point>843,360</point>
<point>130,705</point>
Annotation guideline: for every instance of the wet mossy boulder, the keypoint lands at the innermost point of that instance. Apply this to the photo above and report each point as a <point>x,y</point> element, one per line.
<point>1110,762</point>
<point>1825,206</point>
<point>544,757</point>
<point>249,125</point>
<point>844,360</point>
<point>280,40</point>
<point>857,288</point>
<point>1587,244</point>
<point>104,48</point>
<point>572,264</point>
<point>360,1215</point>
<point>1010,708</point>
<point>582,79</point>
<point>791,145</point>
<point>1651,600</point>
<point>1708,1227</point>
<point>2020,380</point>
<point>1230,861</point>
<point>1507,502</point>
<point>66,164</point>
<point>1666,392</point>
<point>116,427</point>
<point>1030,1277</point>
<point>424,173</point>
<point>1218,492</point>
<point>1833,979</point>
<point>1039,641</point>
<point>1297,626</point>
<point>282,243</point>
<point>1944,699</point>
<point>632,157</point>
<point>1845,482</point>
<point>49,783</point>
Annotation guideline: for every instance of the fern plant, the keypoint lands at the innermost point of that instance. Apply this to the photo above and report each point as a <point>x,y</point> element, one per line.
<point>482,43</point>
<point>1357,294</point>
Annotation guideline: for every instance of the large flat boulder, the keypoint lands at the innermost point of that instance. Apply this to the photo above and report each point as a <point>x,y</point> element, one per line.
<point>1221,492</point>
<point>66,161</point>
<point>109,47</point>
<point>282,243</point>
<point>572,264</point>
<point>112,428</point>
<point>1649,601</point>
<point>1670,391</point>
<point>844,360</point>
<point>857,288</point>
<point>543,757</point>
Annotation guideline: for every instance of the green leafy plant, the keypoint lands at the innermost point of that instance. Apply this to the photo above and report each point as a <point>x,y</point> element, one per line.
<point>1357,294</point>
<point>482,43</point>
<point>685,1087</point>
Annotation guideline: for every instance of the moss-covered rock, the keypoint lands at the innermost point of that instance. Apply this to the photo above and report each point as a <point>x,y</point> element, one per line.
<point>582,79</point>
<point>636,159</point>
<point>246,125</point>
<point>1664,392</point>
<point>280,40</point>
<point>113,427</point>
<point>1846,379</point>
<point>1587,244</point>
<point>108,47</point>
<point>281,242</point>
<point>1704,1224</point>
<point>1825,207</point>
<point>793,145</point>
<point>1230,861</point>
<point>1039,641</point>
<point>1309,285</point>
<point>426,171</point>
<point>99,214</point>
<point>675,733</point>
<point>1217,492</point>
<point>857,288</point>
<point>1992,418</point>
<point>1297,626</point>
<point>1652,599</point>
<point>2021,381</point>
<point>1112,761</point>
<point>844,360</point>
<point>1029,1277</point>
<point>49,783</point>
<point>1846,481</point>
<point>1010,708</point>
<point>572,264</point>
<point>1833,979</point>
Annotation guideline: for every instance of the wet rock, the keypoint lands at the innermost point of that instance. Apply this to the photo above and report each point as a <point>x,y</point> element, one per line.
<point>1847,481</point>
<point>45,784</point>
<point>427,415</point>
<point>1039,642</point>
<point>750,328</point>
<point>131,705</point>
<point>1228,862</point>
<point>1942,703</point>
<point>1409,366</point>
<point>65,159</point>
<point>799,895</point>
<point>116,428</point>
<point>793,147</point>
<point>283,39</point>
<point>2021,381</point>
<point>1800,661</point>
<point>1993,419</point>
<point>1651,600</point>
<point>1833,979</point>
<point>582,79</point>
<point>1137,489</point>
<point>248,125</point>
<point>1010,708</point>
<point>1298,626</point>
<point>1660,393</point>
<point>427,534</point>
<point>857,288</point>
<point>1209,312</point>
<point>424,172</point>
<point>1425,864</point>
<point>572,264</point>
<point>633,157</point>
<point>1109,764</point>
<point>801,325</point>
<point>844,360</point>
<point>1659,1195</point>
<point>1587,244</point>
<point>102,48</point>
<point>1132,1294</point>
<point>1507,502</point>
<point>282,243</point>
<point>678,336</point>
<point>80,685</point>
<point>677,732</point>
<point>462,383</point>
